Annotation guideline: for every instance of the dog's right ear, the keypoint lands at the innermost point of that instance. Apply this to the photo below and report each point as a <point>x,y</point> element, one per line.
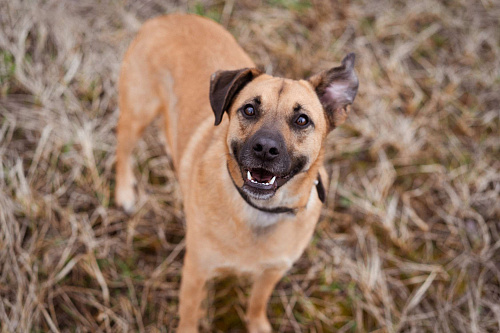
<point>336,89</point>
<point>225,85</point>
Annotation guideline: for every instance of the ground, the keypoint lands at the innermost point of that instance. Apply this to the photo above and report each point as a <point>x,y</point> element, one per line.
<point>409,239</point>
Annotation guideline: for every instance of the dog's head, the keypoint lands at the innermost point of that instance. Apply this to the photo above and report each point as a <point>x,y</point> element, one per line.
<point>277,126</point>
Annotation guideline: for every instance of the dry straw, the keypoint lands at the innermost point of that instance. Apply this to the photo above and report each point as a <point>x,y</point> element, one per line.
<point>409,239</point>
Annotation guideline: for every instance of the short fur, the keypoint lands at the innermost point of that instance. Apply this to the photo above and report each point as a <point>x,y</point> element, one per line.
<point>185,67</point>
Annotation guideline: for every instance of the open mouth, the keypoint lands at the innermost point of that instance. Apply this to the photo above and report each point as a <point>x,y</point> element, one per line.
<point>261,178</point>
<point>261,183</point>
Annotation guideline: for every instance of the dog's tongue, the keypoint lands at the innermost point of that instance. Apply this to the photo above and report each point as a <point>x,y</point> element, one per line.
<point>262,176</point>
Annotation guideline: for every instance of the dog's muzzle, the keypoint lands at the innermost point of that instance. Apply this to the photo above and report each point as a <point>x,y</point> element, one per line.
<point>265,164</point>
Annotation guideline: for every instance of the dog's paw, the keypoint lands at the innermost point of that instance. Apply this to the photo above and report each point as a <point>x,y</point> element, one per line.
<point>125,198</point>
<point>259,325</point>
<point>187,329</point>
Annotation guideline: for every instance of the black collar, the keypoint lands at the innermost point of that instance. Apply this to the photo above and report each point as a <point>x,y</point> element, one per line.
<point>278,210</point>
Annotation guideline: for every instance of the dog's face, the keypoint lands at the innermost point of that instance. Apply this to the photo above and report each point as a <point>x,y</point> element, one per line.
<point>277,126</point>
<point>275,131</point>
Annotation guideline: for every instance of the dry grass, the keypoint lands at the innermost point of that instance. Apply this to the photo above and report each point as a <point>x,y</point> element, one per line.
<point>409,240</point>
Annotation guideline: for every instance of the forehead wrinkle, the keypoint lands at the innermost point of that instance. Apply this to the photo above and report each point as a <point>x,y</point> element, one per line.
<point>282,88</point>
<point>280,93</point>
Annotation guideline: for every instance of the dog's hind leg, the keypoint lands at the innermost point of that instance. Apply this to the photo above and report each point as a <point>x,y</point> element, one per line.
<point>138,107</point>
<point>262,288</point>
<point>128,134</point>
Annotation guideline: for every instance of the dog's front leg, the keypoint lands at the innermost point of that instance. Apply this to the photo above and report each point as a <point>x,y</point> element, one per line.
<point>262,288</point>
<point>191,295</point>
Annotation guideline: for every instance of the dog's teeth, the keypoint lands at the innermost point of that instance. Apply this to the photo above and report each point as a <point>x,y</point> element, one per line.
<point>249,175</point>
<point>272,181</point>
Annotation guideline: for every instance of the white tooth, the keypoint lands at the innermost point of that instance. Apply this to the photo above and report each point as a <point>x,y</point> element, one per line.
<point>249,176</point>
<point>272,180</point>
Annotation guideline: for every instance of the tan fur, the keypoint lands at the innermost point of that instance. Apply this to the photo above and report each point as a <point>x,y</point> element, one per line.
<point>167,71</point>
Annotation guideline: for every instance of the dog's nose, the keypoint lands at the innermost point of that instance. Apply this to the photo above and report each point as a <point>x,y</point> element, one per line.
<point>266,148</point>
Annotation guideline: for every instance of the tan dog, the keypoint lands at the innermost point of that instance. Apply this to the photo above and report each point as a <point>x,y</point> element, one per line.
<point>253,184</point>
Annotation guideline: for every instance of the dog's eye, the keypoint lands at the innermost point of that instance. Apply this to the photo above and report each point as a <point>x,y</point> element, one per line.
<point>249,111</point>
<point>302,120</point>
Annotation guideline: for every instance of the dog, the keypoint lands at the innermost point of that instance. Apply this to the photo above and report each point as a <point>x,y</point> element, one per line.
<point>253,183</point>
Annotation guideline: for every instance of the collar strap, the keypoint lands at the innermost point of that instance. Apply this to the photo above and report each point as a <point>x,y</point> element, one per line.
<point>279,210</point>
<point>320,189</point>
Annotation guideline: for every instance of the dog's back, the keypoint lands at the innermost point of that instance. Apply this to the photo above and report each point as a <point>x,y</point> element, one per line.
<point>172,54</point>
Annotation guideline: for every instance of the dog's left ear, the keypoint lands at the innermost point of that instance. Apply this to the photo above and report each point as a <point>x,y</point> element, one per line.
<point>336,89</point>
<point>225,85</point>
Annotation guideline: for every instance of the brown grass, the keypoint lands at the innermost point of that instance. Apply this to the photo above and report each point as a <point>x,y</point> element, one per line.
<point>409,240</point>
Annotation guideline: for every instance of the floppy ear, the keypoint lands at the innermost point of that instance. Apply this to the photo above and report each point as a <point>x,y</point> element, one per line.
<point>225,85</point>
<point>336,89</point>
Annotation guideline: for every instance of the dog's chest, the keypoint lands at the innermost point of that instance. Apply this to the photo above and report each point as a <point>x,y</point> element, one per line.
<point>256,248</point>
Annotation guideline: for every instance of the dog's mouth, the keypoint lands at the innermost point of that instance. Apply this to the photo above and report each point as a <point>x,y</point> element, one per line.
<point>262,184</point>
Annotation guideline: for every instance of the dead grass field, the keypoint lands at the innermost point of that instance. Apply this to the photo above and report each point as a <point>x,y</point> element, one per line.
<point>409,240</point>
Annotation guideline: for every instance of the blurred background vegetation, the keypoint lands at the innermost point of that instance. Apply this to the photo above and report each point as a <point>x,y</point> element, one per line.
<point>409,238</point>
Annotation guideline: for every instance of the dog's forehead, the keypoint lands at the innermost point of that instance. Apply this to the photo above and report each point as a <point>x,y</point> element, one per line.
<point>285,93</point>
